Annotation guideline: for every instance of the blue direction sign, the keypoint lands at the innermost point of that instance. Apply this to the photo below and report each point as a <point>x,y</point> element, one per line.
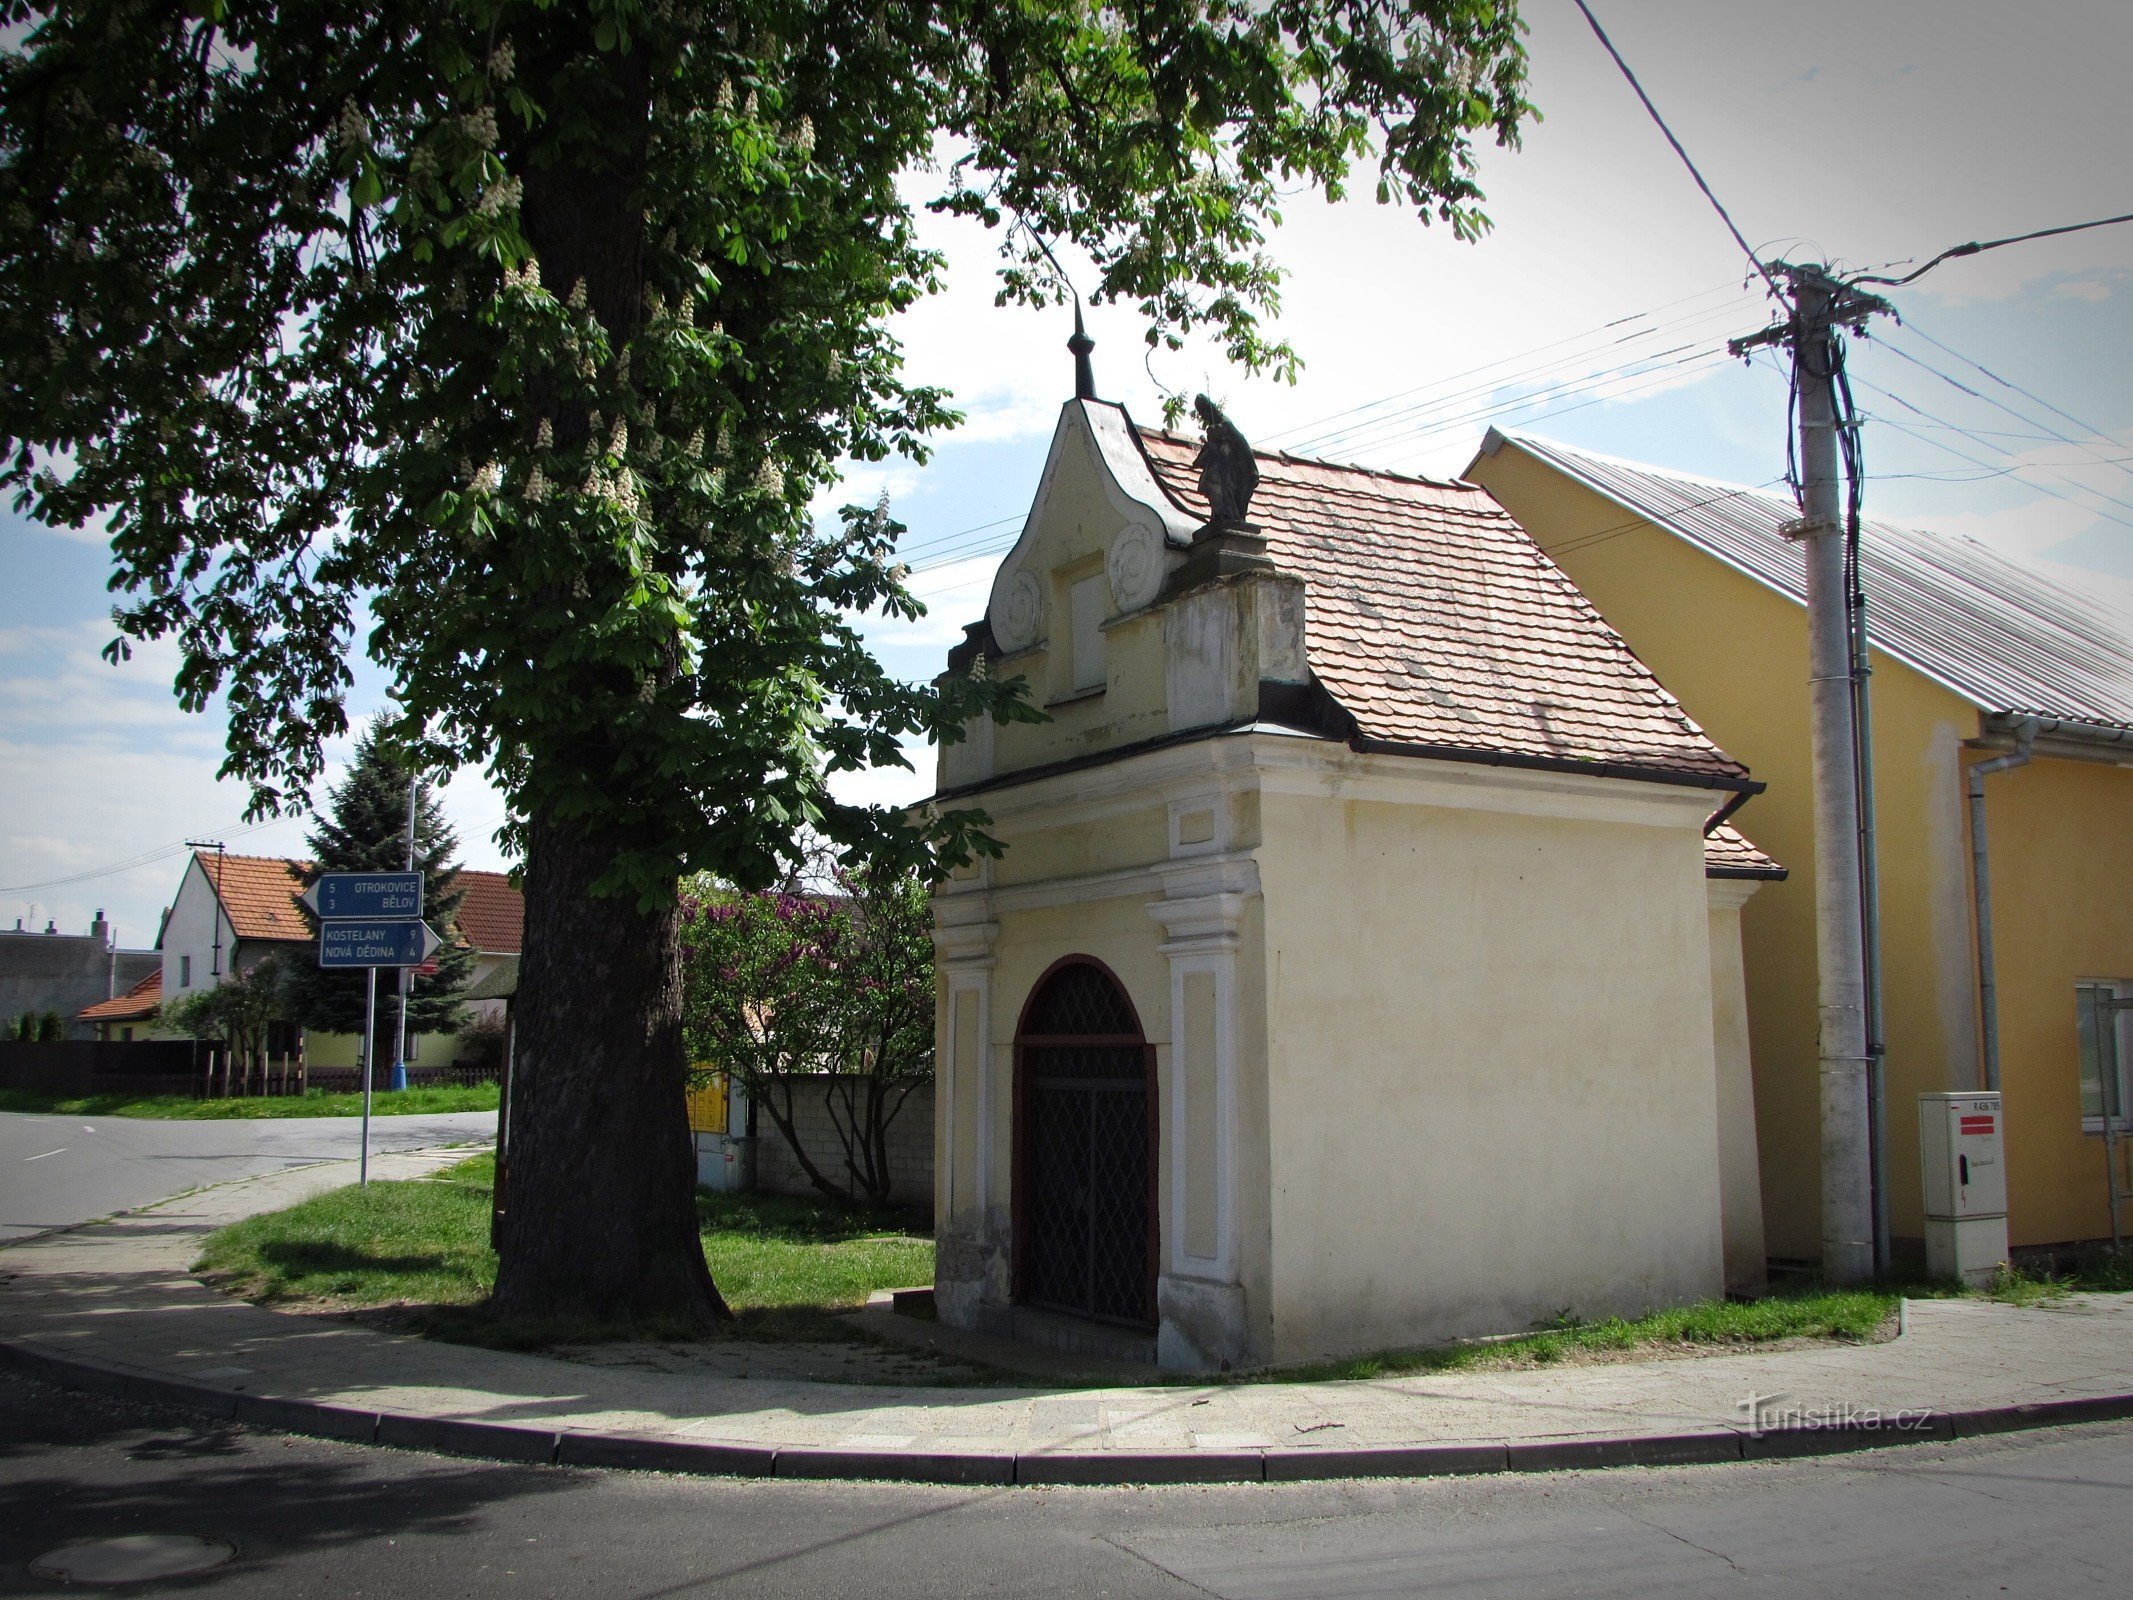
<point>365,894</point>
<point>376,943</point>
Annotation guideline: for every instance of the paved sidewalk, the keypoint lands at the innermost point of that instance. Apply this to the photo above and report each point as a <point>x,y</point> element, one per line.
<point>114,1307</point>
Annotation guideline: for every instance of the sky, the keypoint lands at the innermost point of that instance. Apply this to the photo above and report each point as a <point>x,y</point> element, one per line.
<point>1594,312</point>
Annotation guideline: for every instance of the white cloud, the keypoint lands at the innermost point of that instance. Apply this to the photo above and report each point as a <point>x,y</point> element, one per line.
<point>888,786</point>
<point>861,483</point>
<point>2093,290</point>
<point>2025,531</point>
<point>77,806</point>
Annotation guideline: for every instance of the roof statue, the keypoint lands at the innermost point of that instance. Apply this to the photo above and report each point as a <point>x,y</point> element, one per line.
<point>1228,472</point>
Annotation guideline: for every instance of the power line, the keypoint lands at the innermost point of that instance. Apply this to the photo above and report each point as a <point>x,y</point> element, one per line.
<point>1973,247</point>
<point>147,858</point>
<point>2006,383</point>
<point>1650,379</point>
<point>1585,541</point>
<point>1999,405</point>
<point>1941,444</point>
<point>1500,361</point>
<point>1553,380</point>
<point>1723,215</point>
<point>933,541</point>
<point>1426,421</point>
<point>1538,371</point>
<point>1374,438</point>
<point>2019,466</point>
<point>974,553</point>
<point>1543,377</point>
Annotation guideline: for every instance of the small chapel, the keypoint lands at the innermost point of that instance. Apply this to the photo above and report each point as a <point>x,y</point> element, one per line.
<point>1362,969</point>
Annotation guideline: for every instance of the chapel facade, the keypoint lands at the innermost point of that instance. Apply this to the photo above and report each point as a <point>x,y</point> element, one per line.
<point>1363,967</point>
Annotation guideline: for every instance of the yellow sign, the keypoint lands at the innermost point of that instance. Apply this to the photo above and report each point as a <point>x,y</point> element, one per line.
<point>707,1104</point>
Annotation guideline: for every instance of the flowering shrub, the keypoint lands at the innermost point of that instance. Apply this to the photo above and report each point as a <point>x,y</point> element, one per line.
<point>827,994</point>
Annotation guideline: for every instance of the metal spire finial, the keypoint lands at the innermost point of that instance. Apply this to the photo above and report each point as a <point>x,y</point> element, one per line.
<point>1081,344</point>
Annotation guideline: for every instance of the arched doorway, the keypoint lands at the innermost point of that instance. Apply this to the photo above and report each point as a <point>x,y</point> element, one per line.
<point>1085,1231</point>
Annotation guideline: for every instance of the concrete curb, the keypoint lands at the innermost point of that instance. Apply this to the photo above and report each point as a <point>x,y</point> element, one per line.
<point>492,1441</point>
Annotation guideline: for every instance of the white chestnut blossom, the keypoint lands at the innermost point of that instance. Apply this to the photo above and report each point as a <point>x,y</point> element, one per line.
<point>352,128</point>
<point>501,196</point>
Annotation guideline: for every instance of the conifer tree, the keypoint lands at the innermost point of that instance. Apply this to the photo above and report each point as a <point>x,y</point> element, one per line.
<point>366,831</point>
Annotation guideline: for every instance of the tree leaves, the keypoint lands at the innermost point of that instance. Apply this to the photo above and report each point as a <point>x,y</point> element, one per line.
<point>535,331</point>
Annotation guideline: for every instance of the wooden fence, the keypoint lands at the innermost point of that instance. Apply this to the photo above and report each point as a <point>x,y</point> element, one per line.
<point>93,1066</point>
<point>190,1067</point>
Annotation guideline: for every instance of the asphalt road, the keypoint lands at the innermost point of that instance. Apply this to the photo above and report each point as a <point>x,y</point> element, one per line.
<point>57,1171</point>
<point>2039,1514</point>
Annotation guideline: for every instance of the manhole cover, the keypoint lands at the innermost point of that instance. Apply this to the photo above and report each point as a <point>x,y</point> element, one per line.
<point>133,1558</point>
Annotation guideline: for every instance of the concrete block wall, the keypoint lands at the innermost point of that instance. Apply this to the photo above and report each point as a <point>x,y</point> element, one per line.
<point>910,1149</point>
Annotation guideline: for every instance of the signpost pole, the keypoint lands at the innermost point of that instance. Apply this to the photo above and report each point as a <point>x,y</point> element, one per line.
<point>369,920</point>
<point>370,1047</point>
<point>407,974</point>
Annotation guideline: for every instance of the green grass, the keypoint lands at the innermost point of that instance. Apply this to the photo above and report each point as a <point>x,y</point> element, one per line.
<point>782,1261</point>
<point>315,1103</point>
<point>786,1266</point>
<point>1802,1311</point>
<point>2103,1272</point>
<point>422,1242</point>
<point>1707,1325</point>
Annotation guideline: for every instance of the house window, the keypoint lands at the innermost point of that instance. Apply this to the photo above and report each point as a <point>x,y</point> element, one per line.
<point>2104,1012</point>
<point>185,972</point>
<point>1086,601</point>
<point>125,1036</point>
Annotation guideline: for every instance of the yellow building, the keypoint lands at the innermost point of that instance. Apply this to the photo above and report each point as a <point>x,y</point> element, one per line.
<point>1975,659</point>
<point>1358,972</point>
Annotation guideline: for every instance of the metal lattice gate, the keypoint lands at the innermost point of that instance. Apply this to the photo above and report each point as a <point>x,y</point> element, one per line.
<point>1086,1150</point>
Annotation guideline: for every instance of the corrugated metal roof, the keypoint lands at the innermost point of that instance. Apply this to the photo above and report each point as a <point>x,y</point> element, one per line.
<point>2004,637</point>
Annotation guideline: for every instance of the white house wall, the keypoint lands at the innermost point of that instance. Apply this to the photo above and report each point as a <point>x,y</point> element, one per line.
<point>190,931</point>
<point>1492,1084</point>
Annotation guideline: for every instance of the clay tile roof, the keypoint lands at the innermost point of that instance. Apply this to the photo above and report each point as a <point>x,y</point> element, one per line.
<point>492,915</point>
<point>138,1002</point>
<point>1728,853</point>
<point>259,895</point>
<point>1438,624</point>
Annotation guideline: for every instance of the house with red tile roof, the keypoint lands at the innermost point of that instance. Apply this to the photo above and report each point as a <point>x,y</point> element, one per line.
<point>127,1016</point>
<point>232,911</point>
<point>1362,968</point>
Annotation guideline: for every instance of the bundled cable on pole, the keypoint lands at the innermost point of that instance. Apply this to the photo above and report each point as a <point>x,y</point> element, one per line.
<point>1974,247</point>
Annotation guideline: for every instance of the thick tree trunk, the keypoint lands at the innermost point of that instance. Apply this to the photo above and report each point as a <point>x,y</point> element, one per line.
<point>602,1220</point>
<point>602,1214</point>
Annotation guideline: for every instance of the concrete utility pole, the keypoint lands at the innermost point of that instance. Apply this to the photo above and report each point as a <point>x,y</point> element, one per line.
<point>1840,944</point>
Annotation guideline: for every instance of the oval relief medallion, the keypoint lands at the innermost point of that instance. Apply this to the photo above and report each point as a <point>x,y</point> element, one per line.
<point>1021,610</point>
<point>1135,566</point>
